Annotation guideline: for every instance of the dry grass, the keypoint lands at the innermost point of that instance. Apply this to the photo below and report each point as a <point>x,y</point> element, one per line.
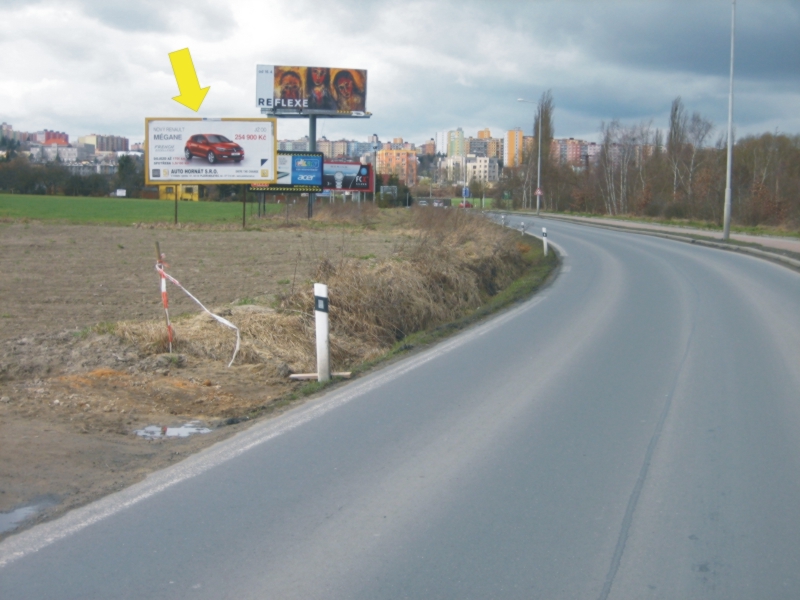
<point>352,213</point>
<point>451,263</point>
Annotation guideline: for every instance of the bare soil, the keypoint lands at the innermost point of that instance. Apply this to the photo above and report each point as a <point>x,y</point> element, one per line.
<point>71,395</point>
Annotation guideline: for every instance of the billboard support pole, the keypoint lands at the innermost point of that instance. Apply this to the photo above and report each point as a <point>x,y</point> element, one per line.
<point>312,147</point>
<point>176,203</point>
<point>244,206</point>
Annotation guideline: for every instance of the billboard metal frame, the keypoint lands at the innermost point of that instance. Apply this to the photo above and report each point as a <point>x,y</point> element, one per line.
<point>312,115</point>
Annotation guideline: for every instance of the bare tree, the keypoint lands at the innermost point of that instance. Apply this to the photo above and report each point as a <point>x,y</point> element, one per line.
<point>544,115</point>
<point>676,142</point>
<point>696,135</point>
<point>623,150</point>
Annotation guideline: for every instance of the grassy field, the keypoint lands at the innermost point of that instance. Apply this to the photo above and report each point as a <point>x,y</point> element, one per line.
<point>120,211</point>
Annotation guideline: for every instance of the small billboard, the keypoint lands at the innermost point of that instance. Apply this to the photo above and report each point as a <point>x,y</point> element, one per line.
<point>210,151</point>
<point>347,177</point>
<point>298,172</point>
<point>311,90</point>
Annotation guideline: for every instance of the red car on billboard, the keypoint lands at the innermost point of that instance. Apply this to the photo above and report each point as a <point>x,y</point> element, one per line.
<point>213,147</point>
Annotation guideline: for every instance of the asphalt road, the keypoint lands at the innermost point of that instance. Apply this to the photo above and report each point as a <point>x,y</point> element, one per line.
<point>631,432</point>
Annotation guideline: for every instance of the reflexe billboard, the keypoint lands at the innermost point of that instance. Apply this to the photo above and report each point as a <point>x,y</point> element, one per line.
<point>347,177</point>
<point>210,151</point>
<point>298,172</point>
<point>313,90</point>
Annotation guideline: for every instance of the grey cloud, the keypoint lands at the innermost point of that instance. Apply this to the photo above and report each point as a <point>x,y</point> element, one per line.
<point>212,18</point>
<point>435,65</point>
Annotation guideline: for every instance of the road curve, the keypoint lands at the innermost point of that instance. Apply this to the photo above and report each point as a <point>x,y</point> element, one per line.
<point>631,432</point>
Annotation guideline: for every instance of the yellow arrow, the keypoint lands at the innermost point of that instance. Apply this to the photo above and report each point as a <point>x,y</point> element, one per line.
<point>192,95</point>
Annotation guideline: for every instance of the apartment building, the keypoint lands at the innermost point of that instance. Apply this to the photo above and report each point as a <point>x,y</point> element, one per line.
<point>512,156</point>
<point>463,169</point>
<point>402,163</point>
<point>325,146</point>
<point>482,168</point>
<point>456,144</point>
<point>428,147</point>
<point>494,148</point>
<point>105,143</point>
<point>339,148</point>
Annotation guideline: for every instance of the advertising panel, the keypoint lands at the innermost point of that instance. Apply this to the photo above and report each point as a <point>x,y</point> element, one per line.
<point>297,172</point>
<point>312,90</point>
<point>209,151</point>
<point>347,177</point>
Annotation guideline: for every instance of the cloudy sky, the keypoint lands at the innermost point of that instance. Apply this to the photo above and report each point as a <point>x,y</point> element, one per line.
<point>102,66</point>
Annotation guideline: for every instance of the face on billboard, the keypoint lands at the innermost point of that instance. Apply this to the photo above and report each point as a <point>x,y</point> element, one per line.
<point>210,150</point>
<point>311,88</point>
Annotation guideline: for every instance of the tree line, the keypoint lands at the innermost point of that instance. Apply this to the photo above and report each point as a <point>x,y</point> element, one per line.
<point>19,175</point>
<point>677,174</point>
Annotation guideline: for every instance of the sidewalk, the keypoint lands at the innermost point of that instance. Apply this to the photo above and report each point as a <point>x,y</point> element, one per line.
<point>779,243</point>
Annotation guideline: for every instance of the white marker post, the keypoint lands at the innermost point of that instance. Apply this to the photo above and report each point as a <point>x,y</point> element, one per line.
<point>522,228</point>
<point>321,318</point>
<point>544,239</point>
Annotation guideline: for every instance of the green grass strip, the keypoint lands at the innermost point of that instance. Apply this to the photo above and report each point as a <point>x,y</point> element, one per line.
<point>120,211</point>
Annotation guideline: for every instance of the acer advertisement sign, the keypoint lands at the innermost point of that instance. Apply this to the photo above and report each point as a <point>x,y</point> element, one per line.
<point>209,151</point>
<point>298,172</point>
<point>311,90</point>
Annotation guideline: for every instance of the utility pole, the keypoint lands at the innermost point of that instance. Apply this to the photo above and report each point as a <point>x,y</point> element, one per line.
<point>312,147</point>
<point>375,166</point>
<point>726,224</point>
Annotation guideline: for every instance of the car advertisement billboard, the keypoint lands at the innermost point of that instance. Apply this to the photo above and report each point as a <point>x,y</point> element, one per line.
<point>209,151</point>
<point>312,90</point>
<point>297,172</point>
<point>347,177</point>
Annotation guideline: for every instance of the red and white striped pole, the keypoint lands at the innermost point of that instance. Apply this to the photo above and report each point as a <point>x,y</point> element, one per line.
<point>160,264</point>
<point>160,268</point>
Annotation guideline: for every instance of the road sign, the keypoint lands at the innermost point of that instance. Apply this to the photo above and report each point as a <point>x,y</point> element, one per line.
<point>465,192</point>
<point>538,192</point>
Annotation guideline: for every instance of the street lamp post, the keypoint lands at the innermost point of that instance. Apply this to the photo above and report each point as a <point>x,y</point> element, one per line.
<point>726,220</point>
<point>539,160</point>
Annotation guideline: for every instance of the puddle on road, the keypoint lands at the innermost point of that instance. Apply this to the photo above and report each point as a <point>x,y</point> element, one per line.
<point>154,432</point>
<point>13,519</point>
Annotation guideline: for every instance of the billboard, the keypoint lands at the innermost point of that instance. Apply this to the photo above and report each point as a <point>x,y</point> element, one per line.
<point>347,177</point>
<point>297,172</point>
<point>312,90</point>
<point>209,151</point>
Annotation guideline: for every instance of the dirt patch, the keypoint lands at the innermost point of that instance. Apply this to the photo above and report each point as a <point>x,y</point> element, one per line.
<point>56,277</point>
<point>83,362</point>
<point>70,397</point>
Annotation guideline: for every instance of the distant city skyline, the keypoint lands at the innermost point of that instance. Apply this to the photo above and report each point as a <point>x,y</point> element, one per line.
<point>92,65</point>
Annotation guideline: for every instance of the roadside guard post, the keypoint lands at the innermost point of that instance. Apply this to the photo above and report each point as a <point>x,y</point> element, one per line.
<point>321,318</point>
<point>544,239</point>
